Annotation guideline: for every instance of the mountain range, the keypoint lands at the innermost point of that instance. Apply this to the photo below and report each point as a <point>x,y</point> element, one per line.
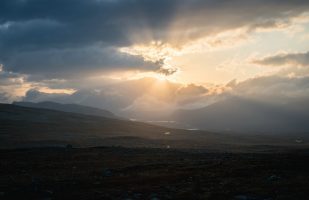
<point>28,127</point>
<point>244,115</point>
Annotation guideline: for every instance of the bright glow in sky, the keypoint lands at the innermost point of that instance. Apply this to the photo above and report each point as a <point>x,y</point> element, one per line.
<point>122,54</point>
<point>226,56</point>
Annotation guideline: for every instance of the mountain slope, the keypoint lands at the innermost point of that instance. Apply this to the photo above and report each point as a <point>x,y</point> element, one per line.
<point>24,125</point>
<point>244,115</point>
<point>73,108</point>
<point>29,127</point>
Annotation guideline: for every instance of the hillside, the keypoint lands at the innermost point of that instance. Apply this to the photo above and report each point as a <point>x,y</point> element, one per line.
<point>248,116</point>
<point>74,108</point>
<point>24,125</point>
<point>29,127</point>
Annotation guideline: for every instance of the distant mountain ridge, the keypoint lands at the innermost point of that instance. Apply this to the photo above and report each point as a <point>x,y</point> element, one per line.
<point>248,116</point>
<point>73,108</point>
<point>29,127</point>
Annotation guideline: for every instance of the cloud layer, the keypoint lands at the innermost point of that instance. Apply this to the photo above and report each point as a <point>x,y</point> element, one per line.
<point>42,36</point>
<point>63,50</point>
<point>298,59</point>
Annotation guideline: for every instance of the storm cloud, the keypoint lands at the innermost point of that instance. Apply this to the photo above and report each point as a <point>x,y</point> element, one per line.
<point>42,36</point>
<point>101,53</point>
<point>66,63</point>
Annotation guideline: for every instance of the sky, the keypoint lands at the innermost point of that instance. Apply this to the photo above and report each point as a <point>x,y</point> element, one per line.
<point>145,56</point>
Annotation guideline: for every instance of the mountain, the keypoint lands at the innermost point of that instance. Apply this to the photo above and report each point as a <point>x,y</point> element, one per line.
<point>248,116</point>
<point>29,127</point>
<point>21,126</point>
<point>73,108</point>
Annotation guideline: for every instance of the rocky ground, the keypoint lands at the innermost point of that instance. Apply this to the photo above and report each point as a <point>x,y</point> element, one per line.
<point>124,173</point>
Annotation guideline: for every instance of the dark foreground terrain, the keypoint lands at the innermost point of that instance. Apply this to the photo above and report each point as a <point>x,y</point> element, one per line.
<point>131,173</point>
<point>36,161</point>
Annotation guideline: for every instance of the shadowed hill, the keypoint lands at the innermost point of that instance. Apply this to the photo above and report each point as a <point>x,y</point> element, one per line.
<point>74,108</point>
<point>28,127</point>
<point>248,116</point>
<point>21,125</point>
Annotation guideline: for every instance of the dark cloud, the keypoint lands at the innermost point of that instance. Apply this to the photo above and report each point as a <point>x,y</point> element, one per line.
<point>62,63</point>
<point>46,36</point>
<point>299,59</point>
<point>40,24</point>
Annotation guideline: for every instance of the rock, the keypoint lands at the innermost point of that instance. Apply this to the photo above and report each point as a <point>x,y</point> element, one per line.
<point>273,178</point>
<point>35,182</point>
<point>137,195</point>
<point>154,196</point>
<point>246,197</point>
<point>48,193</point>
<point>97,183</point>
<point>107,173</point>
<point>242,197</point>
<point>298,140</point>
